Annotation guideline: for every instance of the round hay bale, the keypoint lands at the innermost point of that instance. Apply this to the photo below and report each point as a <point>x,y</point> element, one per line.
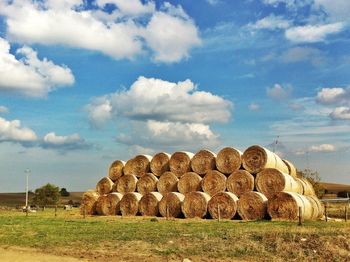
<point>170,205</point>
<point>291,168</point>
<point>203,161</point>
<point>195,204</point>
<point>225,203</point>
<point>228,160</point>
<point>147,183</point>
<point>149,204</point>
<point>252,206</point>
<point>104,186</point>
<point>167,183</point>
<point>214,182</point>
<point>138,166</point>
<point>285,206</point>
<point>108,205</point>
<point>88,202</point>
<point>271,180</point>
<point>126,184</point>
<point>240,182</point>
<point>180,162</point>
<point>160,163</point>
<point>307,188</point>
<point>189,182</point>
<point>317,207</point>
<point>256,158</point>
<point>129,205</point>
<point>116,170</point>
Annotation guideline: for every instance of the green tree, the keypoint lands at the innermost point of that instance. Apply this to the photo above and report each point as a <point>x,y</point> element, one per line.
<point>46,195</point>
<point>64,192</point>
<point>314,178</point>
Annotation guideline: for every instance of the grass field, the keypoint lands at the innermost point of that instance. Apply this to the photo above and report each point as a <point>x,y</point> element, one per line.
<point>147,239</point>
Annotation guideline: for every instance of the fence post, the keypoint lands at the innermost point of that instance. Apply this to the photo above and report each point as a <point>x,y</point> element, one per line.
<point>84,211</point>
<point>219,217</point>
<point>325,211</point>
<point>55,210</point>
<point>167,212</point>
<point>300,217</point>
<point>346,213</point>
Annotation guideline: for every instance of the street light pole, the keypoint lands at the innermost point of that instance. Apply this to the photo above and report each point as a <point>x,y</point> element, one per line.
<point>27,171</point>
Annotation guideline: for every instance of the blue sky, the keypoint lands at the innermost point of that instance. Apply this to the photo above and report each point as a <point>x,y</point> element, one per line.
<point>83,83</point>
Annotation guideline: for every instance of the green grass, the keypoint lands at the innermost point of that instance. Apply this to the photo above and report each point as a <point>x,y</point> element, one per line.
<point>108,237</point>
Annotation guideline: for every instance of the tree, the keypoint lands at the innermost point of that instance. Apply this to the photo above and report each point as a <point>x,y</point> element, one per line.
<point>64,192</point>
<point>314,178</point>
<point>46,195</point>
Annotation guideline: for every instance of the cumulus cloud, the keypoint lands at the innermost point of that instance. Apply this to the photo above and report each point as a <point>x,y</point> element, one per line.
<point>340,113</point>
<point>30,75</point>
<point>12,131</point>
<point>299,54</point>
<point>270,22</point>
<point>3,109</point>
<point>335,9</point>
<point>279,92</point>
<point>254,107</point>
<point>322,148</point>
<point>334,95</point>
<point>64,143</point>
<point>213,2</point>
<point>169,33</point>
<point>312,33</point>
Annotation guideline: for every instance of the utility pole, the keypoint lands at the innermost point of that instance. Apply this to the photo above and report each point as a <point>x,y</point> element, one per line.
<point>275,144</point>
<point>27,171</point>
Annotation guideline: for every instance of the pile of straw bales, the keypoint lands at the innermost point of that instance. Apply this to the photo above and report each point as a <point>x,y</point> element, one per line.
<point>253,185</point>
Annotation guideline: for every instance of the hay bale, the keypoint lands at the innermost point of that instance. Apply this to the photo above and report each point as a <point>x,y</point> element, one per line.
<point>88,202</point>
<point>160,163</point>
<point>214,182</point>
<point>147,183</point>
<point>170,205</point>
<point>240,182</point>
<point>138,166</point>
<point>271,180</point>
<point>167,183</point>
<point>149,204</point>
<point>180,162</point>
<point>285,206</point>
<point>256,158</point>
<point>189,182</point>
<point>129,205</point>
<point>104,186</point>
<point>225,203</point>
<point>116,170</point>
<point>108,205</point>
<point>252,206</point>
<point>195,204</point>
<point>291,168</point>
<point>126,184</point>
<point>307,188</point>
<point>228,160</point>
<point>317,207</point>
<point>203,161</point>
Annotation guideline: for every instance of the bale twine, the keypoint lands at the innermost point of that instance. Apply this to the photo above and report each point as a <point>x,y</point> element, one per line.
<point>129,205</point>
<point>167,183</point>
<point>256,158</point>
<point>108,205</point>
<point>116,170</point>
<point>104,186</point>
<point>170,205</point>
<point>189,182</point>
<point>214,182</point>
<point>291,168</point>
<point>223,205</point>
<point>252,206</point>
<point>126,184</point>
<point>160,163</point>
<point>180,162</point>
<point>147,183</point>
<point>203,161</point>
<point>88,202</point>
<point>317,207</point>
<point>271,180</point>
<point>138,166</point>
<point>149,204</point>
<point>195,204</point>
<point>228,160</point>
<point>285,206</point>
<point>240,182</point>
<point>307,188</point>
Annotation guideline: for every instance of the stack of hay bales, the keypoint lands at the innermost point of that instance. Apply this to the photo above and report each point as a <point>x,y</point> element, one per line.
<point>253,185</point>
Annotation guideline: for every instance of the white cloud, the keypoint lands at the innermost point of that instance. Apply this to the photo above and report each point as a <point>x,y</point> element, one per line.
<point>322,148</point>
<point>298,54</point>
<point>270,22</point>
<point>3,109</point>
<point>64,143</point>
<point>30,75</point>
<point>335,95</point>
<point>279,92</point>
<point>213,2</point>
<point>312,33</point>
<point>336,9</point>
<point>155,99</point>
<point>254,107</point>
<point>340,113</point>
<point>13,131</point>
<point>169,33</point>
<point>290,4</point>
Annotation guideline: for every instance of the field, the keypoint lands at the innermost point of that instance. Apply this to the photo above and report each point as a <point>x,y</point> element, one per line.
<point>155,239</point>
